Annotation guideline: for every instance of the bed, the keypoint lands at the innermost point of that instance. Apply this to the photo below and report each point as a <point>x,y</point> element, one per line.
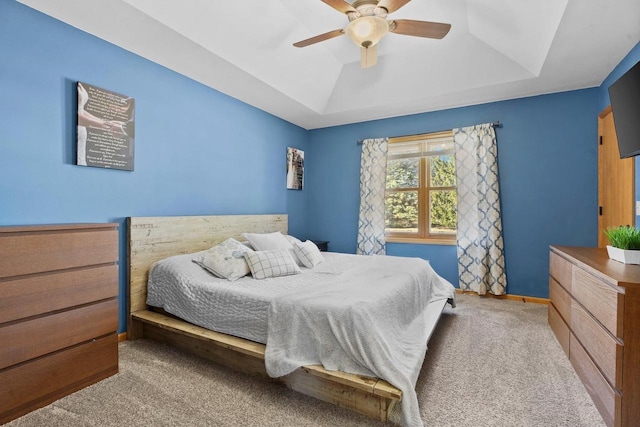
<point>152,239</point>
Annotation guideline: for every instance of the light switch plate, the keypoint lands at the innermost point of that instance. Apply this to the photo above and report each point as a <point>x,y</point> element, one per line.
<point>637,207</point>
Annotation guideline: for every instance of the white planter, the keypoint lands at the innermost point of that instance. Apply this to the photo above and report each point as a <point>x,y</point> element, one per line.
<point>623,255</point>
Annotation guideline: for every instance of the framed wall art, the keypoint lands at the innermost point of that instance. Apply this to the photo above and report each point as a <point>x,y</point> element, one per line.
<point>106,128</point>
<point>295,169</point>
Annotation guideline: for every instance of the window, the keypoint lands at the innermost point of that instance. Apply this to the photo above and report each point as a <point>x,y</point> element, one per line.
<point>421,198</point>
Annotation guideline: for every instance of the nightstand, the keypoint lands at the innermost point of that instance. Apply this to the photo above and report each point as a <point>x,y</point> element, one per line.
<point>323,245</point>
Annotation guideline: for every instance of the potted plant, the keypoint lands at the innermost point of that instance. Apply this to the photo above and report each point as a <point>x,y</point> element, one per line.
<point>625,244</point>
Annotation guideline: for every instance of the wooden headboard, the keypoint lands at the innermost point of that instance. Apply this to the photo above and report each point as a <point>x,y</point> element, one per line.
<point>151,239</point>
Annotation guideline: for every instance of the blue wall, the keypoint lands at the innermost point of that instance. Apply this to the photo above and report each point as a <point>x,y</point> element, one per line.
<point>198,152</point>
<point>548,175</point>
<point>625,65</point>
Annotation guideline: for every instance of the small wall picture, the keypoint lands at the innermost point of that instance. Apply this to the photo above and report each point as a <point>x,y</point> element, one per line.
<point>106,128</point>
<point>295,168</point>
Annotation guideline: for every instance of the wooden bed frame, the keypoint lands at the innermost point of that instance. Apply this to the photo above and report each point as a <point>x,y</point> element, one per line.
<point>154,238</point>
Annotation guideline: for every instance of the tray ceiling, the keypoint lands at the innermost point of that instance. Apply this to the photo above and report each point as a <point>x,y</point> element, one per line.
<point>496,50</point>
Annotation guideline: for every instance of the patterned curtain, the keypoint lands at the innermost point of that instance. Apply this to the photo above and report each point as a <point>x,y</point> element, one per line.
<point>373,176</point>
<point>480,244</point>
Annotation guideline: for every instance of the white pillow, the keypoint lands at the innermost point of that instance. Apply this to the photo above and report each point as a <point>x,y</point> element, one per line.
<point>308,253</point>
<point>275,263</point>
<point>292,239</point>
<point>271,241</point>
<point>225,260</point>
<point>247,244</point>
<point>267,241</point>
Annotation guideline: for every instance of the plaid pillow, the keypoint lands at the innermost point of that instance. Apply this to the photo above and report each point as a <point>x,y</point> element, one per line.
<point>274,263</point>
<point>308,253</point>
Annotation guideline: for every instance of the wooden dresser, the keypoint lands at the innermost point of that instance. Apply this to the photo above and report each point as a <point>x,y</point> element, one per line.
<point>58,312</point>
<point>595,314</point>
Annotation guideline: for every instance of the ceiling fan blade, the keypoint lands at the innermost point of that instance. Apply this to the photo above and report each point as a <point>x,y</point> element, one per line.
<point>320,38</point>
<point>368,56</point>
<point>340,6</point>
<point>432,30</point>
<point>392,5</point>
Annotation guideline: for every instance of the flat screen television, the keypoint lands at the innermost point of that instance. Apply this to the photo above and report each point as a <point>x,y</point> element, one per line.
<point>625,104</point>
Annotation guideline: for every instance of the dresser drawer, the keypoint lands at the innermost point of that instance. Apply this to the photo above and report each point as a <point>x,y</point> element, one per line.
<point>606,399</point>
<point>560,299</point>
<point>603,348</point>
<point>561,270</point>
<point>45,251</point>
<point>42,335</point>
<point>35,384</point>
<point>560,328</point>
<point>29,296</point>
<point>600,299</point>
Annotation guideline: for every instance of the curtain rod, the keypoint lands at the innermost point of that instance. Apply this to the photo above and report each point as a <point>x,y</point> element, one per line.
<point>495,124</point>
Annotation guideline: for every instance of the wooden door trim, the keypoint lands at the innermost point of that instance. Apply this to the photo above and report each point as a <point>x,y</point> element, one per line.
<point>626,169</point>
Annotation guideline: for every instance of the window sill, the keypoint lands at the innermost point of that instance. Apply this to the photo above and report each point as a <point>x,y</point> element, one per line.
<point>423,241</point>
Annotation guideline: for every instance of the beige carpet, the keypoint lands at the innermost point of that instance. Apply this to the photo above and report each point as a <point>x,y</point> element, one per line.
<point>490,363</point>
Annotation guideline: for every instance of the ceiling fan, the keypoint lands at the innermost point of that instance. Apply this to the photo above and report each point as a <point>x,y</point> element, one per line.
<point>368,24</point>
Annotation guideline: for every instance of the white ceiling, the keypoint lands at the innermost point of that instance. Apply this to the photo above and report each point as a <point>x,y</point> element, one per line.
<point>496,49</point>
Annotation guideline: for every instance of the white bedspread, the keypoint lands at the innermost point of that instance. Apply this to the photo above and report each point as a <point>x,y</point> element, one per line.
<point>358,314</point>
<point>240,308</point>
<point>368,320</point>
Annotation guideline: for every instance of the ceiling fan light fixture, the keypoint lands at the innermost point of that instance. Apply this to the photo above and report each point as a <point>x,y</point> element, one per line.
<point>367,31</point>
